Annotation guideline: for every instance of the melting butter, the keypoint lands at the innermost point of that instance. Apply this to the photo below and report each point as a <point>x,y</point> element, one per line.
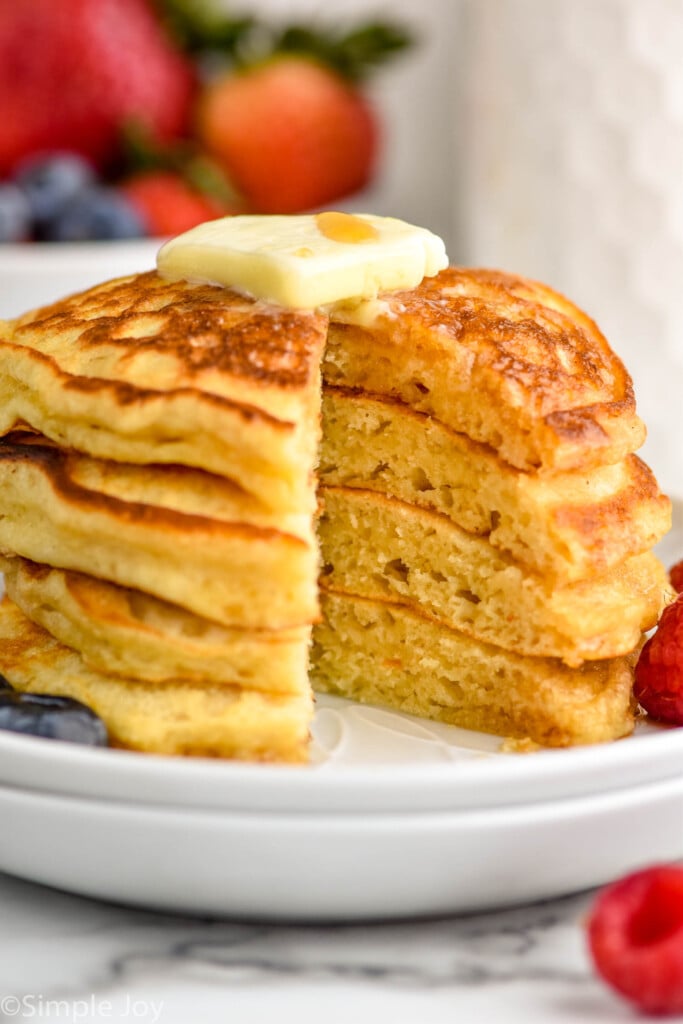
<point>306,261</point>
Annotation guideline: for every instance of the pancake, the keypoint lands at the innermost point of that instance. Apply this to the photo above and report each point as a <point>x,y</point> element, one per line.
<point>179,536</point>
<point>125,632</point>
<point>170,718</point>
<point>506,361</point>
<point>146,371</point>
<point>565,526</point>
<point>377,652</point>
<point>379,547</point>
<point>174,488</point>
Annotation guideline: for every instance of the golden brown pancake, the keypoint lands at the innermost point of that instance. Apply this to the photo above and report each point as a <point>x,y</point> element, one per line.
<point>507,361</point>
<point>181,535</point>
<point>144,370</point>
<point>180,717</point>
<point>124,632</point>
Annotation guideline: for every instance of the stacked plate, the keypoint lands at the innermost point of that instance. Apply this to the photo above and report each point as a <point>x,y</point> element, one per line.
<point>395,817</point>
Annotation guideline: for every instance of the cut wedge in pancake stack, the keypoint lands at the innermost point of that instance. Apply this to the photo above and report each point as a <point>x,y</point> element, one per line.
<point>157,515</point>
<point>485,529</point>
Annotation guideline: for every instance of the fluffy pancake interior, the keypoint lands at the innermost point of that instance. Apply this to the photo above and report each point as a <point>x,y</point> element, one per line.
<point>566,526</point>
<point>379,653</point>
<point>380,547</point>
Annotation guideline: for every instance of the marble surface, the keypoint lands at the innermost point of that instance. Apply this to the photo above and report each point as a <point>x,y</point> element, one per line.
<point>70,959</point>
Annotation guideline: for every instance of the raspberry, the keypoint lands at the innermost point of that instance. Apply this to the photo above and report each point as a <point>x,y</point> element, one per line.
<point>659,673</point>
<point>635,934</point>
<point>676,576</point>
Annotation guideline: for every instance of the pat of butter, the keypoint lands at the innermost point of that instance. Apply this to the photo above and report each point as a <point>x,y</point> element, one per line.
<point>306,261</point>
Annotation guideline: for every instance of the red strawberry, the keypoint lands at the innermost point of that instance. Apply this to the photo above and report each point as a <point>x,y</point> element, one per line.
<point>291,134</point>
<point>659,672</point>
<point>72,72</point>
<point>167,204</point>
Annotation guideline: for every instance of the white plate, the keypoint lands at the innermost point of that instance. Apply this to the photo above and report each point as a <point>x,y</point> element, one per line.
<point>327,867</point>
<point>34,274</point>
<point>365,760</point>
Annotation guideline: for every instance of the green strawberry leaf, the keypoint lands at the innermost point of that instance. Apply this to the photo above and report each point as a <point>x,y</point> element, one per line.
<point>199,26</point>
<point>354,54</point>
<point>205,30</point>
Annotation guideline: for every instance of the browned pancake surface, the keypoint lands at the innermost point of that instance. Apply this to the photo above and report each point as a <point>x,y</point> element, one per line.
<point>507,361</point>
<point>142,370</point>
<point>182,334</point>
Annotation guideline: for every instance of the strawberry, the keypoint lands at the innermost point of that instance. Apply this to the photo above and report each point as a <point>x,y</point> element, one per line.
<point>73,72</point>
<point>167,204</point>
<point>290,133</point>
<point>294,130</point>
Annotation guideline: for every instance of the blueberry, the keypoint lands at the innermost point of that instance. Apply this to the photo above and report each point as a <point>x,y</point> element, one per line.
<point>15,214</point>
<point>54,718</point>
<point>96,213</point>
<point>51,182</point>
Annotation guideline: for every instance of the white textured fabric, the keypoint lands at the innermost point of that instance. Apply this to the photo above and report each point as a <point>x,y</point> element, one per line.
<point>573,173</point>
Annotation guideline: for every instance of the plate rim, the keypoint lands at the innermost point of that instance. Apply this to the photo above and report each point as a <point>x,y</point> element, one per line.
<point>493,781</point>
<point>305,868</point>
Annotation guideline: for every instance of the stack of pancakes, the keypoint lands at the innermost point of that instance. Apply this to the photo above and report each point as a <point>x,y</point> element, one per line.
<point>486,530</point>
<point>484,527</point>
<point>157,495</point>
